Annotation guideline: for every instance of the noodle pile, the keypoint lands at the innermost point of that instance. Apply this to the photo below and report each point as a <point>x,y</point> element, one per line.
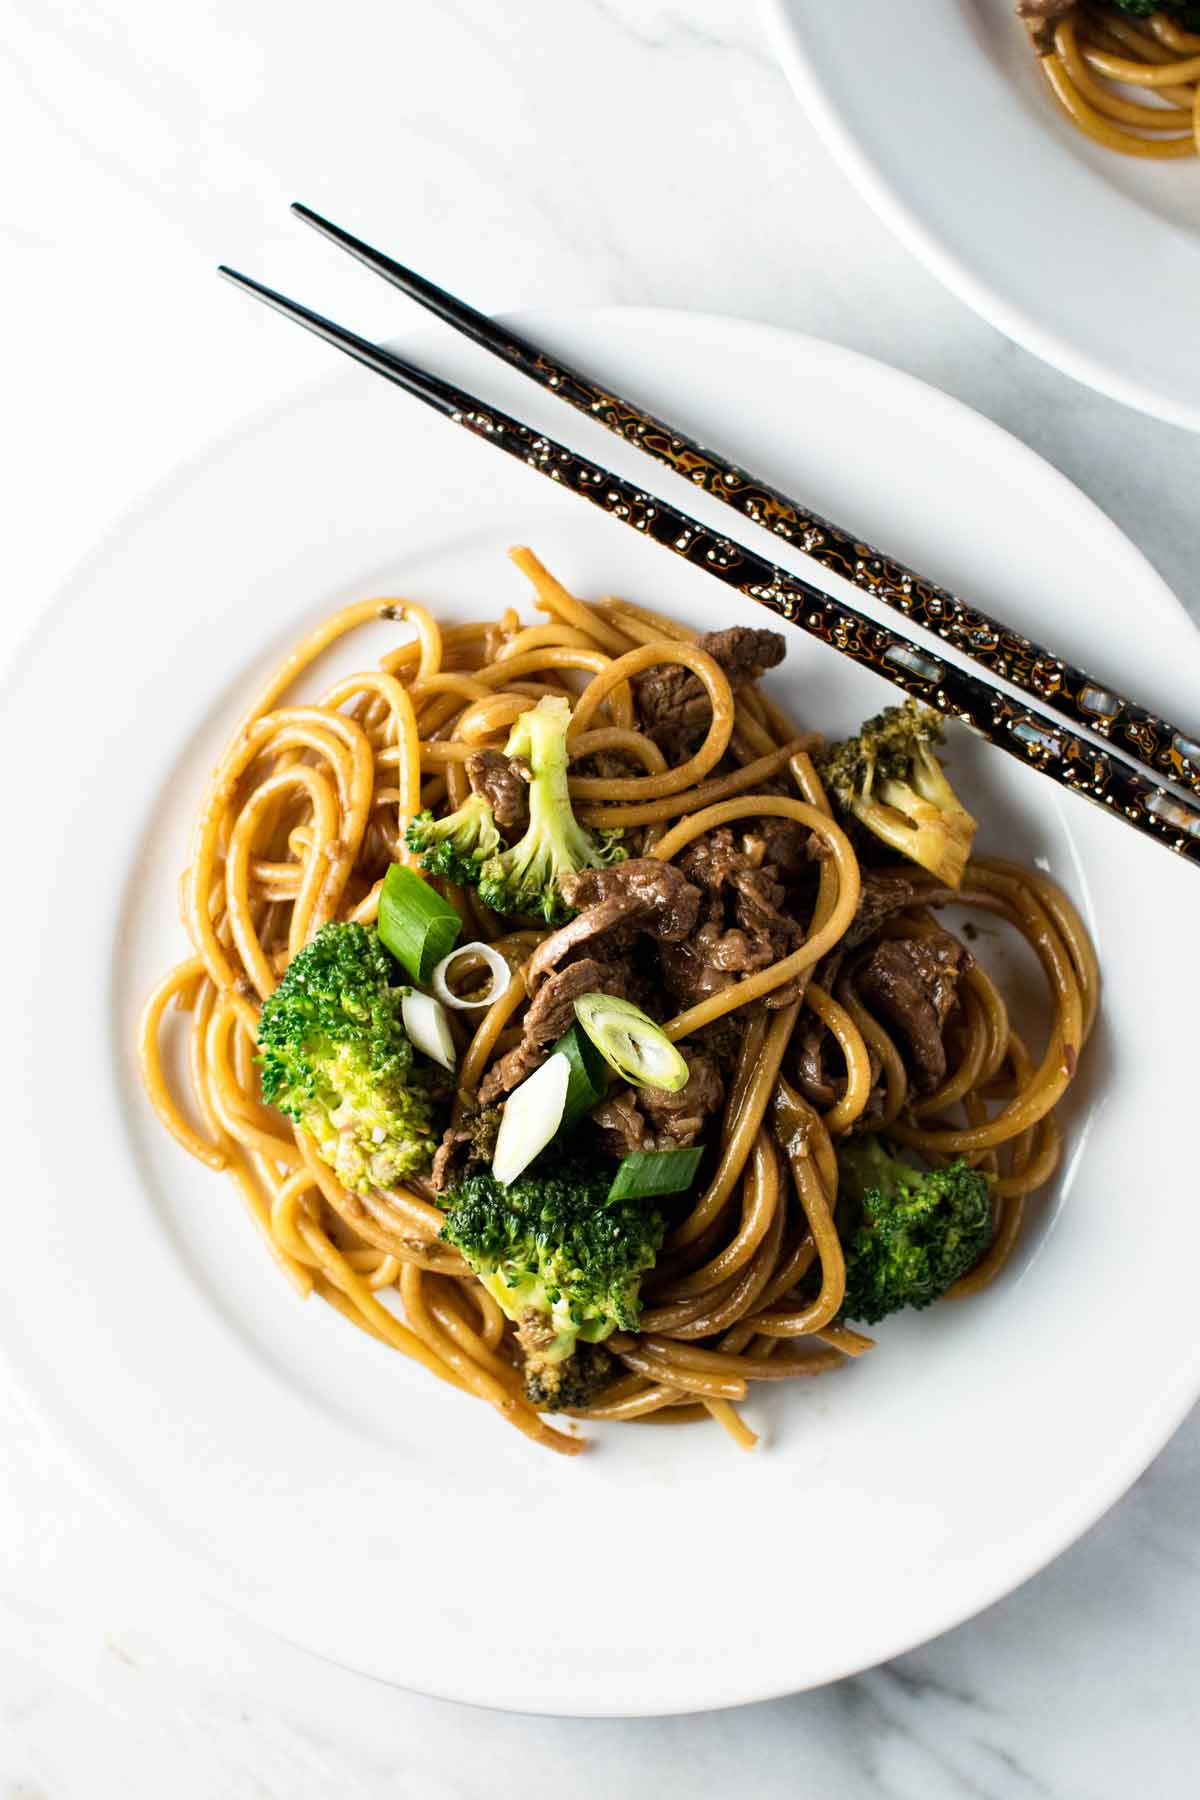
<point>1133,86</point>
<point>304,811</point>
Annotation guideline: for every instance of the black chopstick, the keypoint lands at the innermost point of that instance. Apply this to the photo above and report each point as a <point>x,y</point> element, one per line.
<point>1055,683</point>
<point>1030,736</point>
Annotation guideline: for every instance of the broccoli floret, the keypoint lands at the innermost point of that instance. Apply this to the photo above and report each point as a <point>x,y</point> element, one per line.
<point>908,1234</point>
<point>559,1386</point>
<point>563,1265</point>
<point>526,878</point>
<point>335,1056</point>
<point>888,778</point>
<point>1183,12</point>
<point>458,845</point>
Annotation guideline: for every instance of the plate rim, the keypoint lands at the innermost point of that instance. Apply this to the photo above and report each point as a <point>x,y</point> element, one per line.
<point>946,264</point>
<point>107,1487</point>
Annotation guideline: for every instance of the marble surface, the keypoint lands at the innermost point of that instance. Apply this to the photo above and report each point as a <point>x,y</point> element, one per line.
<point>603,150</point>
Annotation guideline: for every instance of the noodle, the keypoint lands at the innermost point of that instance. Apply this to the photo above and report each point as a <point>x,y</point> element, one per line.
<point>1092,45</point>
<point>310,803</point>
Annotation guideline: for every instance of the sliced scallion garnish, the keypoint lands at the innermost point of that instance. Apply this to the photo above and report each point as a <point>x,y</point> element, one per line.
<point>532,1114</point>
<point>415,923</point>
<point>644,1173</point>
<point>427,1025</point>
<point>498,970</point>
<point>589,1074</point>
<point>635,1046</point>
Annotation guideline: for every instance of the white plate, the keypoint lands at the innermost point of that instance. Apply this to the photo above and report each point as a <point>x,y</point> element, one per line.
<point>314,1479</point>
<point>945,125</point>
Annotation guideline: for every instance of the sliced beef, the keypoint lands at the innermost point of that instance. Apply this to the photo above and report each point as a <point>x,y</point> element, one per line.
<point>677,1120</point>
<point>502,780</point>
<point>912,983</point>
<point>653,1119</point>
<point>785,846</point>
<point>687,978</point>
<point>727,872</point>
<point>713,860</point>
<point>744,925</point>
<point>818,1068</point>
<point>551,1012</point>
<point>606,920</point>
<point>465,1147</point>
<point>621,1124</point>
<point>673,706</point>
<point>745,652</point>
<point>721,1042</point>
<point>885,892</point>
<point>640,897</point>
<point>761,904</point>
<point>669,903</point>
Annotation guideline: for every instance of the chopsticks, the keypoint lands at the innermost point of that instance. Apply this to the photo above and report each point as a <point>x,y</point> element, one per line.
<point>1051,680</point>
<point>1020,731</point>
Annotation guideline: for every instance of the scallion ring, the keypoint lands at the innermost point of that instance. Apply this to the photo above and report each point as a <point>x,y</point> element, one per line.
<point>632,1043</point>
<point>500,972</point>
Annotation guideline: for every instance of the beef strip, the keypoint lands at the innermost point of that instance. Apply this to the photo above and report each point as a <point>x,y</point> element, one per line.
<point>745,652</point>
<point>670,904</point>
<point>913,984</point>
<point>818,1068</point>
<point>888,891</point>
<point>759,907</point>
<point>745,920</point>
<point>551,1012</point>
<point>712,861</point>
<point>596,951</point>
<point>465,1147</point>
<point>607,920</point>
<point>721,1041</point>
<point>785,845</point>
<point>643,896</point>
<point>621,1125</point>
<point>678,1119</point>
<point>502,780</point>
<point>653,1119</point>
<point>672,703</point>
<point>744,927</point>
<point>686,977</point>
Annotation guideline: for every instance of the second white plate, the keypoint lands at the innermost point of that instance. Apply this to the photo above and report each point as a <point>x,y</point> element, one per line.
<point>943,122</point>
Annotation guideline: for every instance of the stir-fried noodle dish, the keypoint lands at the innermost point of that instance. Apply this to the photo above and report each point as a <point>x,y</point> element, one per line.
<point>580,1025</point>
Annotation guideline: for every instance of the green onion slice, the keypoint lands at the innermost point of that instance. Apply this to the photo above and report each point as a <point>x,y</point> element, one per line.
<point>635,1046</point>
<point>498,970</point>
<point>648,1172</point>
<point>589,1074</point>
<point>428,1028</point>
<point>415,923</point>
<point>532,1114</point>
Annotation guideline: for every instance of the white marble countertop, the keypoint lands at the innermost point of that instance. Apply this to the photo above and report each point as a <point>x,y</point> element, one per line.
<point>605,150</point>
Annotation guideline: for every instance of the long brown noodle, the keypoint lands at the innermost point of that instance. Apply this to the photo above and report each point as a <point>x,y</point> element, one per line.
<point>309,801</point>
<point>1096,59</point>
